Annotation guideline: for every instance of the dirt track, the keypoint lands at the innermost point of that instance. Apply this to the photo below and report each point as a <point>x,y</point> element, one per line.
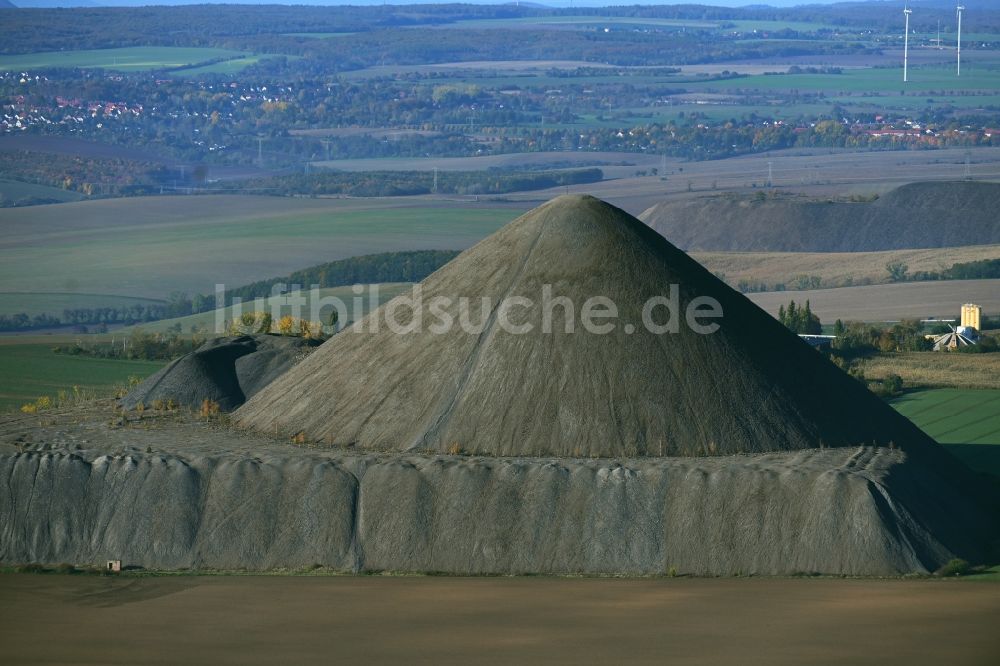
<point>250,620</point>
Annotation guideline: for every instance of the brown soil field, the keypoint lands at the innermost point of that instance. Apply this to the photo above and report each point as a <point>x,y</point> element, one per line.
<point>61,145</point>
<point>889,302</point>
<point>433,620</point>
<point>505,161</point>
<point>835,268</point>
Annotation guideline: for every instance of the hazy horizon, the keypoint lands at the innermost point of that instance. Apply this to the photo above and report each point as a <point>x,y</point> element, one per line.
<point>556,4</point>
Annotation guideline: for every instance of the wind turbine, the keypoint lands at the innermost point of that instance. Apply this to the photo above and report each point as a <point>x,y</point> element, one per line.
<point>958,69</point>
<point>906,44</point>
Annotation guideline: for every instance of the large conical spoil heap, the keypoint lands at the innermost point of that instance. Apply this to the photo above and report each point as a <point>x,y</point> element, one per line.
<point>751,386</point>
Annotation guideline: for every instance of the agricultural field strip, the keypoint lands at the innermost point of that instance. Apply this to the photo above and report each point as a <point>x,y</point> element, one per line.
<point>933,77</point>
<point>53,303</point>
<point>25,226</point>
<point>923,370</point>
<point>128,58</point>
<point>923,79</point>
<point>145,215</point>
<point>141,260</point>
<point>801,162</point>
<point>32,371</point>
<point>942,412</point>
<point>955,416</point>
<point>948,412</point>
<point>836,267</point>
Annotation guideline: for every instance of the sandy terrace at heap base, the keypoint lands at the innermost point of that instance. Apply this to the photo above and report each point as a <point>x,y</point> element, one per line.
<point>743,451</point>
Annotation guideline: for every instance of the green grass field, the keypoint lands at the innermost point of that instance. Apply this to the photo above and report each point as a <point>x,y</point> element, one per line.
<point>31,371</point>
<point>130,59</point>
<point>922,80</point>
<point>964,421</point>
<point>151,246</point>
<point>770,26</point>
<point>230,67</point>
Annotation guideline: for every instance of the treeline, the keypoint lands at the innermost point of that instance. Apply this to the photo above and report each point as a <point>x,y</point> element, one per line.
<point>131,314</point>
<point>859,339</point>
<point>986,269</point>
<point>369,269</point>
<point>89,176</point>
<point>84,318</point>
<point>138,345</point>
<point>25,322</point>
<point>405,183</point>
<point>800,319</point>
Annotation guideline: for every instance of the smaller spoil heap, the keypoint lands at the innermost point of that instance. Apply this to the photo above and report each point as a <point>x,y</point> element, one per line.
<point>226,371</point>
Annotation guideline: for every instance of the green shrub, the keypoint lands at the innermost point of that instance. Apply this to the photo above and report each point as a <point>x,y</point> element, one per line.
<point>955,567</point>
<point>29,568</point>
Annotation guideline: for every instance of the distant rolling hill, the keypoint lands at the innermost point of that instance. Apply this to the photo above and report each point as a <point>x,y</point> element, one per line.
<point>918,215</point>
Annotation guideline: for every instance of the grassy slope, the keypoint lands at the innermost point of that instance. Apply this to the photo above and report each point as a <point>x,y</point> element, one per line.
<point>54,303</point>
<point>206,321</point>
<point>31,371</point>
<point>150,246</point>
<point>835,268</point>
<point>16,189</point>
<point>137,58</point>
<point>965,421</point>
